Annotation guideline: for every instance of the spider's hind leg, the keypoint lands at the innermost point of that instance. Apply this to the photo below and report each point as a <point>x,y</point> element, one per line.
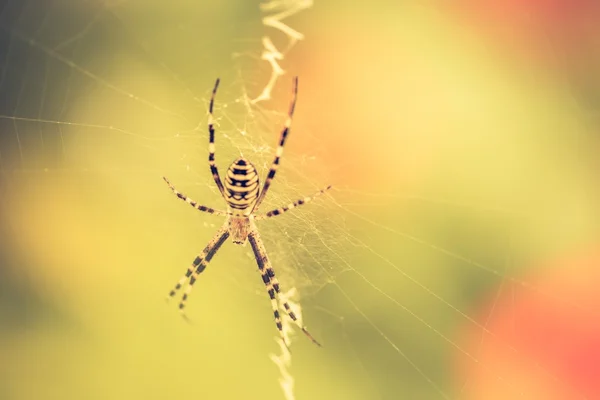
<point>289,312</point>
<point>199,265</point>
<point>288,308</point>
<point>272,285</point>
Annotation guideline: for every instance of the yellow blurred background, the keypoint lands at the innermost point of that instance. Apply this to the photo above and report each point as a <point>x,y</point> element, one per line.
<point>456,258</point>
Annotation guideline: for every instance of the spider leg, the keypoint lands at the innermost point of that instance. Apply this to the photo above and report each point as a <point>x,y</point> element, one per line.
<point>272,285</point>
<point>279,151</point>
<point>211,141</point>
<point>199,264</point>
<point>192,202</point>
<point>281,210</point>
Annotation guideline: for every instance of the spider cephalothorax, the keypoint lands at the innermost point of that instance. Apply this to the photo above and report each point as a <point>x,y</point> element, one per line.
<point>243,196</point>
<point>239,228</point>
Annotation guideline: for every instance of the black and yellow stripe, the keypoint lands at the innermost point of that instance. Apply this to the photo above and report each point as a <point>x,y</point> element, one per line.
<point>241,186</point>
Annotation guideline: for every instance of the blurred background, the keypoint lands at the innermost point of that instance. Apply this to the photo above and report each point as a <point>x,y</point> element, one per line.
<point>457,257</point>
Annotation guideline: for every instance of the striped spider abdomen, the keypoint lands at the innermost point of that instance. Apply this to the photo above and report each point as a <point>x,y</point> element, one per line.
<point>241,187</point>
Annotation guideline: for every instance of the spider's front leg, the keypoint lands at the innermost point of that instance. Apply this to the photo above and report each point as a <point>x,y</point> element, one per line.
<point>272,285</point>
<point>279,152</point>
<point>211,141</point>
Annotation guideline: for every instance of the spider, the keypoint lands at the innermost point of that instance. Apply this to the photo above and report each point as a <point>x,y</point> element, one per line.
<point>243,196</point>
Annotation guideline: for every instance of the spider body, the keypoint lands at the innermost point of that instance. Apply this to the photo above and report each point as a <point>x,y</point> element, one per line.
<point>243,196</point>
<point>239,227</point>
<point>241,187</point>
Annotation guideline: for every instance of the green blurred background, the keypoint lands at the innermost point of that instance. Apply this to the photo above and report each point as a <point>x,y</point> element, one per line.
<point>462,141</point>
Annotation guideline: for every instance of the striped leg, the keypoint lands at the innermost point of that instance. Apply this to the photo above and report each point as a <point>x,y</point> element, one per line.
<point>192,202</point>
<point>290,206</point>
<point>211,141</point>
<point>279,151</point>
<point>199,265</point>
<point>272,285</point>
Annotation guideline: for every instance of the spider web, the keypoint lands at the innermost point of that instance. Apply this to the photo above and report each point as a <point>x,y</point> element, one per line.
<point>99,99</point>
